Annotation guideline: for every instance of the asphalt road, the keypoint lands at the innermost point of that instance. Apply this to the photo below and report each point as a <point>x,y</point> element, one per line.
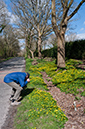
<point>16,64</point>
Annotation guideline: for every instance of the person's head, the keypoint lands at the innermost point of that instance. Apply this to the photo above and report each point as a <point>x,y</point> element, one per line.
<point>27,75</point>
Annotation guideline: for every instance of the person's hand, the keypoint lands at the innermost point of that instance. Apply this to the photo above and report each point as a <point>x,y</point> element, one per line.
<point>28,80</point>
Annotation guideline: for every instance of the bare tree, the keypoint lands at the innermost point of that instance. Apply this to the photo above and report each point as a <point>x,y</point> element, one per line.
<point>24,22</point>
<point>62,12</point>
<point>2,16</point>
<point>33,20</point>
<point>1,47</point>
<point>10,42</point>
<point>42,11</point>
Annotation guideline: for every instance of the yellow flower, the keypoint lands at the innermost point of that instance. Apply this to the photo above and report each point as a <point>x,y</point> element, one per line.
<point>47,113</point>
<point>55,110</point>
<point>41,109</point>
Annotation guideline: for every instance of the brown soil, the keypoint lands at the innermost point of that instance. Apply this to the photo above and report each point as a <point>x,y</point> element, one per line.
<point>76,119</point>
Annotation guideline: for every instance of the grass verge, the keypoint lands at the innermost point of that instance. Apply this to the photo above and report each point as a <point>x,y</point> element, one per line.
<point>1,60</point>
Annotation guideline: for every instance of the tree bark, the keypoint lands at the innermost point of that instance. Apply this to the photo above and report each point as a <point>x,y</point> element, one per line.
<point>61,51</point>
<point>60,34</point>
<point>28,47</point>
<point>39,48</point>
<point>39,42</point>
<point>32,54</point>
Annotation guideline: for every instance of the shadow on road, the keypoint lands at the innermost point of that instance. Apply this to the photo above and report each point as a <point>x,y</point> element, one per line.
<point>14,63</point>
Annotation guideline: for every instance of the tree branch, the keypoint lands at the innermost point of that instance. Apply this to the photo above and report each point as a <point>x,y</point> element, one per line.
<point>55,27</point>
<point>75,11</point>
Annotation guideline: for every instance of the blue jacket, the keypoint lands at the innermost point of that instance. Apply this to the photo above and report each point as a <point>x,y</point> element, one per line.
<point>18,77</point>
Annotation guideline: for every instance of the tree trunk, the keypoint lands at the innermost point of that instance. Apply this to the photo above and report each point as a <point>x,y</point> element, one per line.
<point>39,42</point>
<point>32,54</point>
<point>61,51</point>
<point>27,48</point>
<point>39,48</point>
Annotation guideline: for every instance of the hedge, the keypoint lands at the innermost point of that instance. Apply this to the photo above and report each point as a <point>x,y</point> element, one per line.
<point>74,50</point>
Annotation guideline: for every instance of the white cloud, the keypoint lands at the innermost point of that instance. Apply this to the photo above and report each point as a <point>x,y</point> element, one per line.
<point>13,18</point>
<point>84,22</point>
<point>81,36</point>
<point>74,37</point>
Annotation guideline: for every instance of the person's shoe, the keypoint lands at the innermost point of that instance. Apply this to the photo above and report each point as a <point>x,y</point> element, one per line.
<point>15,103</point>
<point>10,98</point>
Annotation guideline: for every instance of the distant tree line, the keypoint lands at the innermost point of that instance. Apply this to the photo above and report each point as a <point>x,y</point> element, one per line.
<point>9,44</point>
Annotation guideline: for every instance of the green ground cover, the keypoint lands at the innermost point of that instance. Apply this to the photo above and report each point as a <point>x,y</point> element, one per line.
<point>38,109</point>
<point>69,80</point>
